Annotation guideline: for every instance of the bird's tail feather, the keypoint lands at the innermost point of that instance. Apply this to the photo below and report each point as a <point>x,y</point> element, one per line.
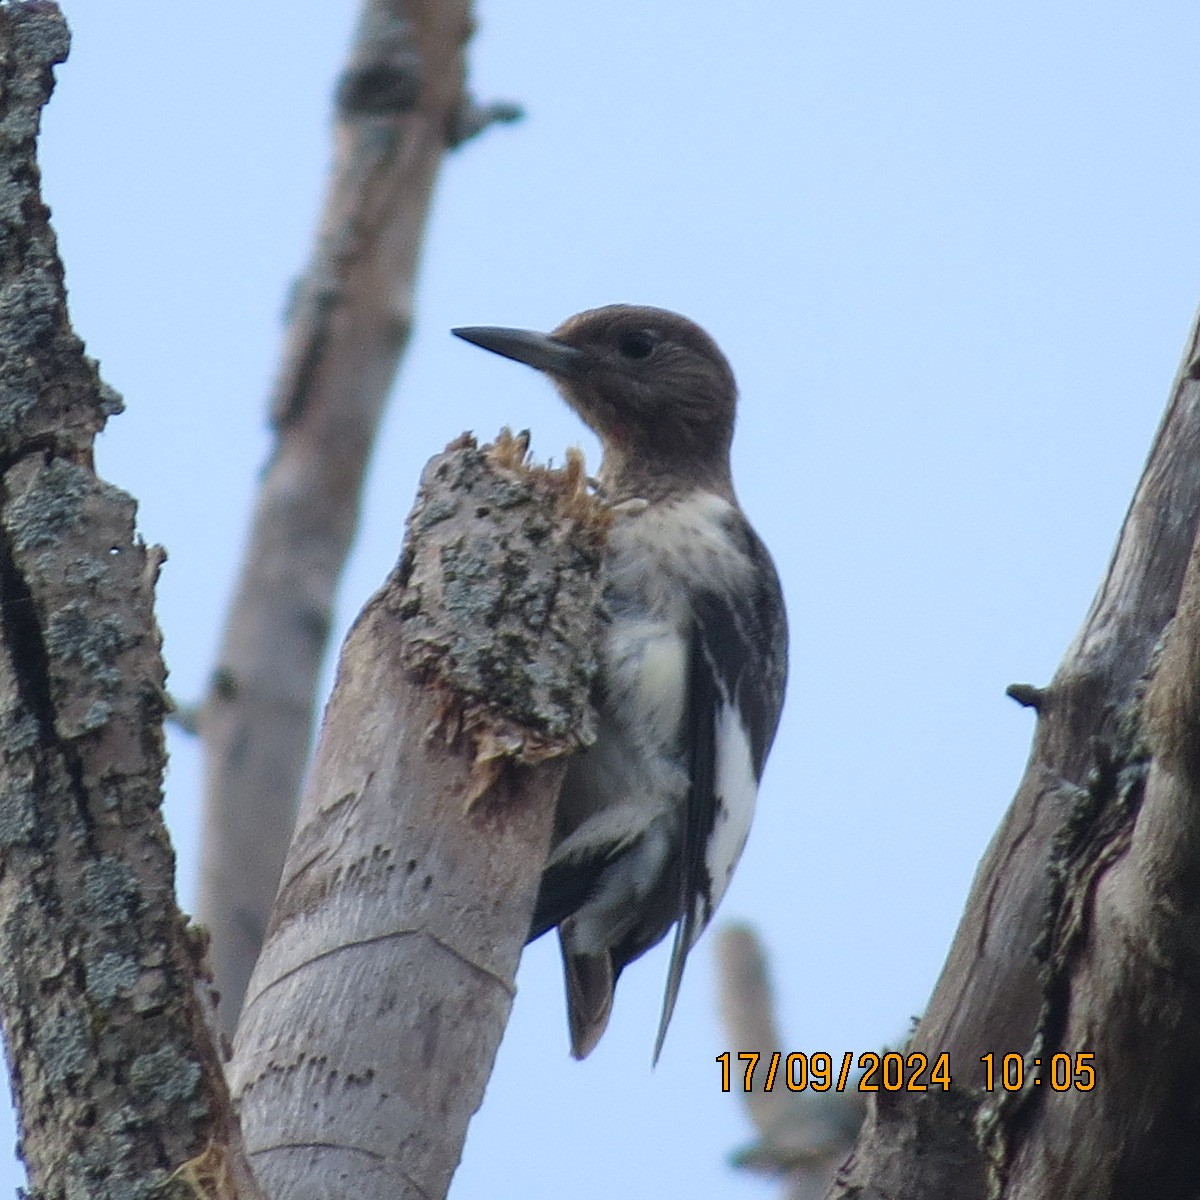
<point>590,982</point>
<point>685,935</point>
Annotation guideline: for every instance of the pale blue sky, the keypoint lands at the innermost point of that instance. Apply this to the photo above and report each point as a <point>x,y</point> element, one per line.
<point>951,252</point>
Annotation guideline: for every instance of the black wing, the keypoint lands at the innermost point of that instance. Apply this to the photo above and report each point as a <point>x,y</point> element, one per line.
<point>738,658</point>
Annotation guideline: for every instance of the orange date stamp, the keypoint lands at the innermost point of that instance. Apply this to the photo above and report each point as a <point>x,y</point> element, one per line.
<point>893,1071</point>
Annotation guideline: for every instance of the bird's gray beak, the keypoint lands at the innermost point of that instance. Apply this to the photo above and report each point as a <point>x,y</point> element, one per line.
<point>535,349</point>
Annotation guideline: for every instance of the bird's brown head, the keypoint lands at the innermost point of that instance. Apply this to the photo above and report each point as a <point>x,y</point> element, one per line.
<point>652,385</point>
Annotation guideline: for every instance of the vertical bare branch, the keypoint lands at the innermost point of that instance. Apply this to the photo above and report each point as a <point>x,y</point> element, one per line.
<point>374,1014</point>
<point>748,1011</point>
<point>803,1136</point>
<point>398,103</point>
<point>1072,943</point>
<point>114,1070</point>
<point>1130,947</point>
<point>989,995</point>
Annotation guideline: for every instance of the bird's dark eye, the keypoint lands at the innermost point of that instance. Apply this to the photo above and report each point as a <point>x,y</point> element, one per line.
<point>637,343</point>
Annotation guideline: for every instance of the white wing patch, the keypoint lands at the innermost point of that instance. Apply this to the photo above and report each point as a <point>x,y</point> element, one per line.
<point>736,792</point>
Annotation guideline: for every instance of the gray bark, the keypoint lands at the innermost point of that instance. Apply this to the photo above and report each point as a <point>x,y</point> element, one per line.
<point>106,1016</point>
<point>399,102</point>
<point>374,1013</point>
<point>1079,934</point>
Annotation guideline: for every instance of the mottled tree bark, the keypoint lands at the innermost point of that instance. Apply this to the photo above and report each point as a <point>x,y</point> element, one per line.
<point>1080,933</point>
<point>375,1011</point>
<point>400,103</point>
<point>118,1085</point>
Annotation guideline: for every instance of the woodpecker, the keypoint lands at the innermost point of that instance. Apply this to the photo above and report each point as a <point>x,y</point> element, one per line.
<point>652,817</point>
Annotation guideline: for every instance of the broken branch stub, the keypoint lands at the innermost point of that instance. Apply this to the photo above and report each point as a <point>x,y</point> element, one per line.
<point>494,639</point>
<point>375,1011</point>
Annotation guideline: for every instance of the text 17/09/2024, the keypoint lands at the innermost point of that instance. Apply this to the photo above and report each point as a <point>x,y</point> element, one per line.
<point>893,1071</point>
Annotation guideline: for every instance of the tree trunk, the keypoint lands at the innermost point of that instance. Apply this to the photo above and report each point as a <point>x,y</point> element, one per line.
<point>1080,934</point>
<point>106,1020</point>
<point>374,1014</point>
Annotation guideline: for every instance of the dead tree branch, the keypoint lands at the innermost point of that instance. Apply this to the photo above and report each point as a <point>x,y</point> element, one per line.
<point>374,1014</point>
<point>399,102</point>
<point>803,1136</point>
<point>1078,936</point>
<point>115,1073</point>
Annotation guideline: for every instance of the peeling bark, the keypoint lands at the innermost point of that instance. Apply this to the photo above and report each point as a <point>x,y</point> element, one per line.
<point>117,1080</point>
<point>375,1011</point>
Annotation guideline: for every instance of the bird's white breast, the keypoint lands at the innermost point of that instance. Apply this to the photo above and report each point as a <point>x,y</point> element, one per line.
<point>656,554</point>
<point>632,785</point>
<point>656,557</point>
